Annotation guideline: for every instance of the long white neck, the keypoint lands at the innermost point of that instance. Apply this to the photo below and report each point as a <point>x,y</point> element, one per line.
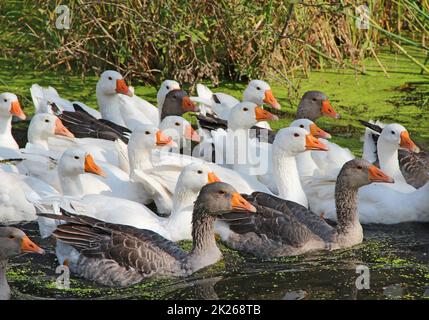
<point>287,178</point>
<point>389,163</point>
<point>71,185</point>
<point>305,164</point>
<point>38,139</point>
<point>110,107</point>
<point>6,138</point>
<point>180,221</point>
<point>139,158</point>
<point>183,198</point>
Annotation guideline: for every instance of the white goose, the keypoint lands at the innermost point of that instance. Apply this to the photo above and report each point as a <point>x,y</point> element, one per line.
<point>113,210</point>
<point>392,203</point>
<point>158,170</point>
<point>393,137</point>
<point>9,106</point>
<point>257,91</point>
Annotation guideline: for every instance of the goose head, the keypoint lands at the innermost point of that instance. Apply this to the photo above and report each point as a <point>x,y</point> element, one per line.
<point>166,87</point>
<point>76,161</point>
<point>219,197</point>
<point>14,242</point>
<point>178,128</point>
<point>293,141</point>
<point>45,125</point>
<point>195,176</point>
<point>147,137</point>
<point>177,102</point>
<point>398,137</point>
<point>259,92</point>
<point>9,106</point>
<point>111,83</point>
<point>315,104</point>
<point>311,127</point>
<point>246,114</point>
<point>358,173</point>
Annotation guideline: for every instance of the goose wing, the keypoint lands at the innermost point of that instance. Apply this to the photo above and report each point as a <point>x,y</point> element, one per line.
<point>84,125</point>
<point>140,249</point>
<point>313,222</point>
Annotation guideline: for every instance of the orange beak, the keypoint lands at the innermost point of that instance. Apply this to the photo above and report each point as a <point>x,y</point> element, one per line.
<point>121,87</point>
<point>188,105</point>
<point>191,134</point>
<point>312,143</point>
<point>91,167</point>
<point>328,111</point>
<point>238,203</point>
<point>212,177</point>
<point>162,139</point>
<point>407,143</point>
<point>319,133</point>
<point>61,130</point>
<point>271,100</point>
<point>29,246</point>
<point>261,114</point>
<point>376,175</point>
<point>16,110</point>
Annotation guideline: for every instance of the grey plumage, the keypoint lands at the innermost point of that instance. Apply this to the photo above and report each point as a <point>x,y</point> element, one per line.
<point>119,255</point>
<point>283,228</point>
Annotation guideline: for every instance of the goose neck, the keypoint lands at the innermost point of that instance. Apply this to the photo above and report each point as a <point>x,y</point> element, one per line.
<point>110,107</point>
<point>388,158</point>
<point>71,185</point>
<point>346,198</point>
<point>139,158</point>
<point>6,132</point>
<point>204,249</point>
<point>183,198</point>
<point>286,176</point>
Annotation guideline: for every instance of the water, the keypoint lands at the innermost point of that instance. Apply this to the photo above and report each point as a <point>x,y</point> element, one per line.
<point>397,257</point>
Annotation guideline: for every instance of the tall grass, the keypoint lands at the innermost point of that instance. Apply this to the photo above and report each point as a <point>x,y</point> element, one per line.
<point>206,39</point>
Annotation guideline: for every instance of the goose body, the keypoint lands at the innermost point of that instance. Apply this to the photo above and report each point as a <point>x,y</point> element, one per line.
<point>284,228</point>
<point>414,164</point>
<point>118,255</point>
<point>387,204</point>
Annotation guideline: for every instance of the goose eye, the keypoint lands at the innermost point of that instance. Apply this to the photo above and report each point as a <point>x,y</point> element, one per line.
<point>245,109</point>
<point>200,171</point>
<point>11,237</point>
<point>168,88</point>
<point>177,124</point>
<point>301,126</point>
<point>222,192</point>
<point>76,157</point>
<point>110,78</point>
<point>47,120</point>
<point>393,132</point>
<point>314,99</point>
<point>5,100</point>
<point>359,167</point>
<point>147,132</point>
<point>258,88</point>
<point>296,135</point>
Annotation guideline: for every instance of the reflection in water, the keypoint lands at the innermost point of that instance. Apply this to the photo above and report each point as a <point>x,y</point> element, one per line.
<point>397,258</point>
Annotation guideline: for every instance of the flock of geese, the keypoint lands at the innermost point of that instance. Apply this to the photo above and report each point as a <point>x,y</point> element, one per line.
<point>88,176</point>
